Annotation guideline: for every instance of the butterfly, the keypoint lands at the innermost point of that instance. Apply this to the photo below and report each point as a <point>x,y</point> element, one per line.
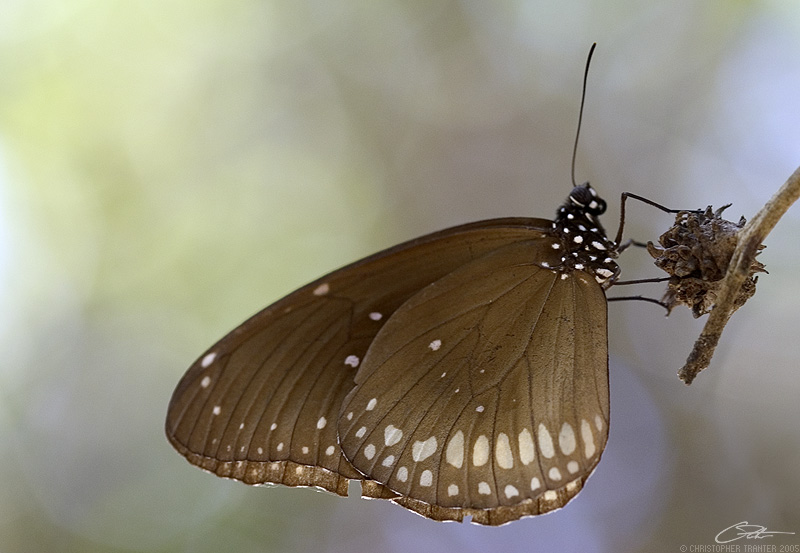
<point>462,373</point>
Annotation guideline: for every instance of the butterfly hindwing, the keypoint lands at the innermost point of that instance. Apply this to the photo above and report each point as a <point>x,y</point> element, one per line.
<point>262,404</point>
<point>486,393</point>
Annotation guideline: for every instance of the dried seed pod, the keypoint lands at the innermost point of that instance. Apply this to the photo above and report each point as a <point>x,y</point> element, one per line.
<point>696,252</point>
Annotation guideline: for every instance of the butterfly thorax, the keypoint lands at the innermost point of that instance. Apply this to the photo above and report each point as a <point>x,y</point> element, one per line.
<point>584,244</point>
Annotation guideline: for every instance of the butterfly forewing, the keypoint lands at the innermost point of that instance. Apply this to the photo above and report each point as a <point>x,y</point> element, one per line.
<point>262,404</point>
<point>486,393</point>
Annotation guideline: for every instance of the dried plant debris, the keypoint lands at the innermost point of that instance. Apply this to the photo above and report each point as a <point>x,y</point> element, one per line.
<point>696,252</point>
<point>701,238</point>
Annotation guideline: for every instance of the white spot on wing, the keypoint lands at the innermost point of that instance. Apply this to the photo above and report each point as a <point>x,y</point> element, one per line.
<point>435,345</point>
<point>305,450</point>
<point>205,382</point>
<point>502,452</point>
<point>572,485</point>
<point>572,467</point>
<point>322,422</point>
<point>389,461</point>
<point>588,439</point>
<point>452,490</point>
<point>545,442</point>
<point>535,484</point>
<point>371,404</point>
<point>322,289</point>
<point>480,451</point>
<point>402,474</point>
<point>375,316</point>
<point>455,450</point>
<point>554,474</point>
<point>511,491</point>
<point>566,439</point>
<point>598,422</point>
<point>483,488</point>
<point>352,360</point>
<point>479,408</point>
<point>216,410</point>
<point>550,495</point>
<point>422,450</point>
<point>361,431</point>
<point>369,451</point>
<point>426,478</point>
<point>526,449</point>
<point>392,435</point>
<point>208,359</point>
<point>330,449</point>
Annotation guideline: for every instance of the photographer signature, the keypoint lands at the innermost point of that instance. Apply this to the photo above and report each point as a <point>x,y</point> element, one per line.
<point>745,530</point>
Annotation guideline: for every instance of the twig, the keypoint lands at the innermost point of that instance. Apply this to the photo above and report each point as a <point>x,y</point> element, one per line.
<point>749,239</point>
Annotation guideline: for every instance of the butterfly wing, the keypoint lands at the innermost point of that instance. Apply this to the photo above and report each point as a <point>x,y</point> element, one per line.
<point>261,405</point>
<point>486,393</point>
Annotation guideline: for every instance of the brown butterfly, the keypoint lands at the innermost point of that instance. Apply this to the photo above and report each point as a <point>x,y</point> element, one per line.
<point>461,373</point>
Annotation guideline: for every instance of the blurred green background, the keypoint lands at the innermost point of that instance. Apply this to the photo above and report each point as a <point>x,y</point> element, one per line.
<point>169,168</point>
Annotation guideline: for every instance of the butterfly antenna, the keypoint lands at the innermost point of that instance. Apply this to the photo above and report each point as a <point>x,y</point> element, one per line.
<point>580,113</point>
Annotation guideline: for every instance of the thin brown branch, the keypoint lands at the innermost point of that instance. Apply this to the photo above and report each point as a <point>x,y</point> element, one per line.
<point>749,239</point>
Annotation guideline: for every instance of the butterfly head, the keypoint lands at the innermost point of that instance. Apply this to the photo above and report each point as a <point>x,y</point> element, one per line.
<point>585,198</point>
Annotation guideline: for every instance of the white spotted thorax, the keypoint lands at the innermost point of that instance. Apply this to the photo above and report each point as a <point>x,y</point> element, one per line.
<point>584,244</point>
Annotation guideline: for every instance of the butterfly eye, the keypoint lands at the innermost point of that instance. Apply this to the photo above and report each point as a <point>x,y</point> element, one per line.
<point>598,207</point>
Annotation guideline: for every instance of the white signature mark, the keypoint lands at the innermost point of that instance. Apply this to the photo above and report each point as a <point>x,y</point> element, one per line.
<point>745,530</point>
